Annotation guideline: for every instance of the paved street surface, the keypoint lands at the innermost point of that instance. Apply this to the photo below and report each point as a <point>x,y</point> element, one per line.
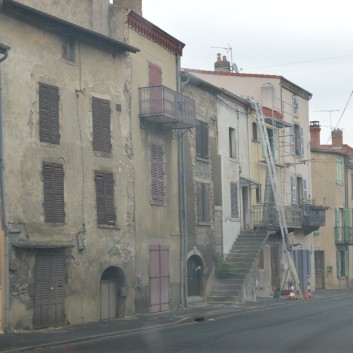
<point>323,324</point>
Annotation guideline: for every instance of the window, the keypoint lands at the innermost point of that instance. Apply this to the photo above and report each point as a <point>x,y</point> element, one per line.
<point>53,186</point>
<point>201,139</point>
<point>258,193</point>
<point>298,143</point>
<point>342,263</point>
<point>261,265</point>
<point>254,132</point>
<point>234,209</point>
<point>68,48</point>
<point>157,173</point>
<point>101,125</point>
<point>273,141</point>
<point>339,174</point>
<point>203,202</point>
<point>49,114</point>
<point>295,105</point>
<point>105,198</point>
<point>352,186</point>
<point>232,143</point>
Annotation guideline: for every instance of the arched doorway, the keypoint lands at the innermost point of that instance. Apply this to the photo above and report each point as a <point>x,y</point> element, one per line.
<point>112,281</point>
<point>194,272</point>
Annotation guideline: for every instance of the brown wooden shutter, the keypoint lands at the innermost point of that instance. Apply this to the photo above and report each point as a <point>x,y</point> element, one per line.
<point>49,113</point>
<point>101,125</point>
<point>105,198</point>
<point>205,141</point>
<point>53,180</point>
<point>206,202</point>
<point>157,172</point>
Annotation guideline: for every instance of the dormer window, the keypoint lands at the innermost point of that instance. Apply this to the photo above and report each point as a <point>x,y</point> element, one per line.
<point>68,48</point>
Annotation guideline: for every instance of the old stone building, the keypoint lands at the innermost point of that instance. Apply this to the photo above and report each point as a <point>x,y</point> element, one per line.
<point>68,172</point>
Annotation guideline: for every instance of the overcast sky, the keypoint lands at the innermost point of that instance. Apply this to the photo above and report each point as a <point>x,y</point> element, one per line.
<point>309,43</point>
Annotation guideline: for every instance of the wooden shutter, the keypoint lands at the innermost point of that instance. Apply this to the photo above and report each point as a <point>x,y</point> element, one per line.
<point>49,113</point>
<point>53,180</point>
<point>101,125</point>
<point>301,131</point>
<point>305,190</point>
<point>206,203</point>
<point>157,173</point>
<point>347,223</point>
<point>294,189</point>
<point>205,141</point>
<point>105,198</point>
<point>292,141</point>
<point>155,75</point>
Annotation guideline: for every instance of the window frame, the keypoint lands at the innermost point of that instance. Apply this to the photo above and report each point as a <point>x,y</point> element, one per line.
<point>101,125</point>
<point>157,155</point>
<point>48,97</point>
<point>68,47</point>
<point>105,200</point>
<point>232,143</point>
<point>202,148</point>
<point>53,193</point>
<point>254,132</point>
<point>203,202</point>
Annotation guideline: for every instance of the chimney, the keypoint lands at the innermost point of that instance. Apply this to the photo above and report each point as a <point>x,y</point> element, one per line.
<point>315,134</point>
<point>222,64</point>
<point>337,137</point>
<point>134,5</point>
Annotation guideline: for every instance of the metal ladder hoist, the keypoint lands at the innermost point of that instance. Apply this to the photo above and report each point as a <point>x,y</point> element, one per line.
<point>271,167</point>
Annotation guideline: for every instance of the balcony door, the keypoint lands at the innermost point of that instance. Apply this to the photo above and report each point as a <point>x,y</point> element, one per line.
<point>155,81</point>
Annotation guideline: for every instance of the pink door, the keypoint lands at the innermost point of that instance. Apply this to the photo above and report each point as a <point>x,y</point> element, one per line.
<point>159,278</point>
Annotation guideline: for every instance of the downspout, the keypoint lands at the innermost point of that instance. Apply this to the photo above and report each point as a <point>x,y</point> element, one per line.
<point>4,50</point>
<point>346,205</point>
<point>182,212</point>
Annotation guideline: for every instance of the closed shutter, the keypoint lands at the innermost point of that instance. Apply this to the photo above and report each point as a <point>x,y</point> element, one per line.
<point>205,141</point>
<point>338,225</point>
<point>347,223</point>
<point>292,143</point>
<point>234,199</point>
<point>49,114</point>
<point>155,75</point>
<point>53,183</point>
<point>157,172</point>
<point>305,190</point>
<point>203,202</point>
<point>105,198</point>
<point>101,125</point>
<point>275,145</point>
<point>294,189</point>
<point>301,131</point>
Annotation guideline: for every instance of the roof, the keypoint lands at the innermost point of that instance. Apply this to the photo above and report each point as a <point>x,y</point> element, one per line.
<point>56,25</point>
<point>341,150</point>
<point>284,82</point>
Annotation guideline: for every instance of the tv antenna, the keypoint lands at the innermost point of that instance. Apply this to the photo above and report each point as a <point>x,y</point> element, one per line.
<point>229,49</point>
<point>328,111</point>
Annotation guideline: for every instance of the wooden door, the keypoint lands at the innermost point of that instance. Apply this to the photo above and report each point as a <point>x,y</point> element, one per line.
<point>194,272</point>
<point>49,290</point>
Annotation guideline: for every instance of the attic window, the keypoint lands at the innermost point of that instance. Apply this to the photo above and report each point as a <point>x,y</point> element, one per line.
<point>68,48</point>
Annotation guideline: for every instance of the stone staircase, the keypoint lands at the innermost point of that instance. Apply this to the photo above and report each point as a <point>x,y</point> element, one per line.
<point>241,287</point>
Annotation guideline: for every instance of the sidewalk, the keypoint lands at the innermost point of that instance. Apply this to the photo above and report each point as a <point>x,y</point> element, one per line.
<point>25,340</point>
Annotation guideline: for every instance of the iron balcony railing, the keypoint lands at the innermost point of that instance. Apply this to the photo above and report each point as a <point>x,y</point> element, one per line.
<point>344,235</point>
<point>266,216</point>
<point>304,216</point>
<point>314,216</point>
<point>162,105</point>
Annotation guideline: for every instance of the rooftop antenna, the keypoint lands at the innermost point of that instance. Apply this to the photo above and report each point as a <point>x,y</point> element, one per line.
<point>229,49</point>
<point>328,111</point>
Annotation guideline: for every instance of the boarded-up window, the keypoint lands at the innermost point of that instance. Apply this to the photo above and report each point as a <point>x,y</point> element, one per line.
<point>203,202</point>
<point>101,125</point>
<point>234,200</point>
<point>49,113</point>
<point>53,182</point>
<point>157,173</point>
<point>105,198</point>
<point>201,139</point>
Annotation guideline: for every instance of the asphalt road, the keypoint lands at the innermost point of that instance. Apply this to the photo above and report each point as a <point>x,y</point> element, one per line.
<point>323,326</point>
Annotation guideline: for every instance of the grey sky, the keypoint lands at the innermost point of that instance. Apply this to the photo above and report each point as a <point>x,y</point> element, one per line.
<point>308,42</point>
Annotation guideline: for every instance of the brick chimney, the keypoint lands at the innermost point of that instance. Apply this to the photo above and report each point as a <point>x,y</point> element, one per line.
<point>222,64</point>
<point>337,137</point>
<point>315,133</point>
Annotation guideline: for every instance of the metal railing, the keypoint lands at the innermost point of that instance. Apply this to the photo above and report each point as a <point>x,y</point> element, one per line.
<point>161,101</point>
<point>313,216</point>
<point>266,216</point>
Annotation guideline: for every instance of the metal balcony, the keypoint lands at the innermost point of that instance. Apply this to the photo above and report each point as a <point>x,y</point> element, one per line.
<point>162,105</point>
<point>314,216</point>
<point>266,216</point>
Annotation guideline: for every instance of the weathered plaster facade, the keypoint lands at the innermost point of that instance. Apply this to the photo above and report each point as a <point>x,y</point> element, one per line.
<point>36,57</point>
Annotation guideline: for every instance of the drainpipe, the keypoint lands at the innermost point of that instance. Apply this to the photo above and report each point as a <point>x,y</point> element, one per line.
<point>4,51</point>
<point>182,213</point>
<point>346,204</point>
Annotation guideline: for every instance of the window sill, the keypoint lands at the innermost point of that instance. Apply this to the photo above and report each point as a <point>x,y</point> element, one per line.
<point>55,225</point>
<point>103,154</point>
<point>157,203</point>
<point>108,226</point>
<point>69,62</point>
<point>256,141</point>
<point>204,224</point>
<point>233,159</point>
<point>202,160</point>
